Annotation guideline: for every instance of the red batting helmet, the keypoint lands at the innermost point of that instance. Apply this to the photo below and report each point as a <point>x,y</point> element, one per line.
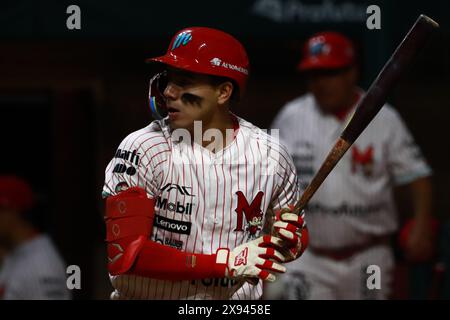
<point>207,51</point>
<point>327,50</point>
<point>15,193</point>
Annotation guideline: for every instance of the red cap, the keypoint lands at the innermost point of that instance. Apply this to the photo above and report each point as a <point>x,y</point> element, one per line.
<point>207,51</point>
<point>327,50</point>
<point>15,193</point>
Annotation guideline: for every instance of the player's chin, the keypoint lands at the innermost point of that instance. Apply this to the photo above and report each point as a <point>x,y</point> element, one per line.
<point>181,122</point>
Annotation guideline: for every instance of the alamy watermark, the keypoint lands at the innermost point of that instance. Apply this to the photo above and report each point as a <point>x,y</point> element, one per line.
<point>74,277</point>
<point>374,19</point>
<point>73,21</point>
<point>373,281</point>
<point>262,151</point>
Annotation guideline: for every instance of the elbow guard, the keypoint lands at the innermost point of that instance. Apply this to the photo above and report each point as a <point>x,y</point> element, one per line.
<point>129,222</point>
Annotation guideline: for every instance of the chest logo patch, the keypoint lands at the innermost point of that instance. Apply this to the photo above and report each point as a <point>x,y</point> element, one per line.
<point>252,212</point>
<point>363,160</point>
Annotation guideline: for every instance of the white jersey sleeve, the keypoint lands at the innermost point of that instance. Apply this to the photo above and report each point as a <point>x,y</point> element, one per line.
<point>405,159</point>
<point>287,186</point>
<point>134,163</point>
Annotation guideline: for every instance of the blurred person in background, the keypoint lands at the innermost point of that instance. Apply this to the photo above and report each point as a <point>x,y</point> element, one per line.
<point>30,266</point>
<point>352,217</point>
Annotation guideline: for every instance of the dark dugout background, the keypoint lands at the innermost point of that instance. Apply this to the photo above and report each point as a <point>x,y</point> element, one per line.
<point>68,97</point>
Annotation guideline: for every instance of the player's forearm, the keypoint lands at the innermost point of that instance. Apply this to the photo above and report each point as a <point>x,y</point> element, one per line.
<point>421,191</point>
<point>129,220</point>
<point>162,262</point>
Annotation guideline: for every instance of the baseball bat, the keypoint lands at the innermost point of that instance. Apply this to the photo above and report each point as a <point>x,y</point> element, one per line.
<point>372,101</point>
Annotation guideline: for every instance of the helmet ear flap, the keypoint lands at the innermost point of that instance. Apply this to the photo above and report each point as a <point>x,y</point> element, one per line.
<point>156,98</point>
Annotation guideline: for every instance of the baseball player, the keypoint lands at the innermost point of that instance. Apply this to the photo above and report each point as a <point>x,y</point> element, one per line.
<point>193,197</point>
<point>31,267</point>
<point>352,216</point>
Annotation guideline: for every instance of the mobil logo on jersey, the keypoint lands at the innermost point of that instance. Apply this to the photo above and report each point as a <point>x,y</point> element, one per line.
<point>175,226</point>
<point>363,160</point>
<point>252,212</point>
<point>177,207</point>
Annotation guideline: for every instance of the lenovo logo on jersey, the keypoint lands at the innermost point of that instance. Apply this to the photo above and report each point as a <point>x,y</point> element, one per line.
<point>181,189</point>
<point>131,156</point>
<point>164,204</point>
<point>172,225</point>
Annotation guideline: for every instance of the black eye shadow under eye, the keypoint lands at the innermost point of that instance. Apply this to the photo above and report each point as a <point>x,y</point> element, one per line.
<point>191,98</point>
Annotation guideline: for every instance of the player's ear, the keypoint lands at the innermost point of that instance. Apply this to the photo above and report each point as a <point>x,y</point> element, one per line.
<point>224,91</point>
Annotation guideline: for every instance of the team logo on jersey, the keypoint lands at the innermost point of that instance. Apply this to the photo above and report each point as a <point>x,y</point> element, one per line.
<point>185,191</point>
<point>363,160</point>
<point>252,212</point>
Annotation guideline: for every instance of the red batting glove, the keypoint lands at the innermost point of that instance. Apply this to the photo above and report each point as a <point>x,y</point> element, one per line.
<point>291,228</point>
<point>253,260</point>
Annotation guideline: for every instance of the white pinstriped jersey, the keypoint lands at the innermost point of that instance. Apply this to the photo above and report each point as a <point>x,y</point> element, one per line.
<point>34,271</point>
<point>355,201</point>
<point>204,200</point>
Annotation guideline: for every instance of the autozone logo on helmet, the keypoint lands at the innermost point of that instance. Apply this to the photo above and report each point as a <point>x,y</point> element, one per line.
<point>216,62</point>
<point>172,225</point>
<point>182,39</point>
<point>174,207</point>
<point>219,63</point>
